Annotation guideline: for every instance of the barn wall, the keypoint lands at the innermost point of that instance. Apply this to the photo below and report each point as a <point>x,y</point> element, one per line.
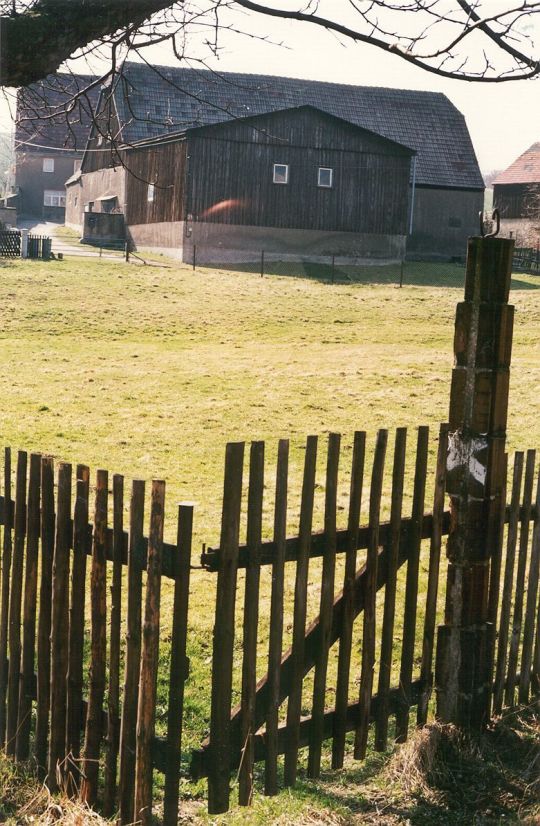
<point>516,200</point>
<point>89,188</point>
<point>165,167</point>
<point>443,220</point>
<point>231,170</point>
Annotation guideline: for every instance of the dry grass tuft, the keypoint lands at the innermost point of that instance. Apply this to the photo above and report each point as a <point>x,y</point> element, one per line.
<point>453,777</point>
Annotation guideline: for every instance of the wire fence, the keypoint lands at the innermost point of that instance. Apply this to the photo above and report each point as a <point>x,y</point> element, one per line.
<point>331,269</point>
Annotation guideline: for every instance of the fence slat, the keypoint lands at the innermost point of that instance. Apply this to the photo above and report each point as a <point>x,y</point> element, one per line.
<point>495,573</point>
<point>513,654</point>
<point>504,622</point>
<point>44,622</point>
<point>26,688</point>
<point>370,598</point>
<point>426,675</point>
<point>276,619</point>
<point>220,720</point>
<point>345,639</point>
<point>411,586</point>
<point>76,628</point>
<point>4,594</point>
<point>113,699</point>
<point>179,664</point>
<point>387,635</point>
<point>326,603</point>
<point>15,604</point>
<point>251,620</point>
<point>133,654</point>
<point>294,707</point>
<point>59,628</point>
<point>530,609</point>
<point>535,676</point>
<point>98,651</point>
<point>146,712</point>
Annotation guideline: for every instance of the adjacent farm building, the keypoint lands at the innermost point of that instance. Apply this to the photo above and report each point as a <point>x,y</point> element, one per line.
<point>49,143</point>
<point>248,162</point>
<point>516,194</point>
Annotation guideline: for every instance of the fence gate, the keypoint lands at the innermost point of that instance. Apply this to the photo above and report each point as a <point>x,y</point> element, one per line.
<point>10,243</point>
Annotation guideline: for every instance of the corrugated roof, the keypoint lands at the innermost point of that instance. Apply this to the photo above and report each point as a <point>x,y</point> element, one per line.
<point>524,170</point>
<point>161,100</point>
<point>49,97</point>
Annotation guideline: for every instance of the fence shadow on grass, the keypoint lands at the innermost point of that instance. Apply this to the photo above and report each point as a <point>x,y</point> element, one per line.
<point>415,273</point>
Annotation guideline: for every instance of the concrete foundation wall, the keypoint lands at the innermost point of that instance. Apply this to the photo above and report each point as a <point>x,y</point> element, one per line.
<point>164,236</point>
<point>216,240</point>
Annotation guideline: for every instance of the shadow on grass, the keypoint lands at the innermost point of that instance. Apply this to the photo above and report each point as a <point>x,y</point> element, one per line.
<point>415,274</point>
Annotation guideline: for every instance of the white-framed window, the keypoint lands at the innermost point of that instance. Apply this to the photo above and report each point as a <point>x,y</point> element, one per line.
<point>151,191</point>
<point>48,164</point>
<point>54,198</point>
<point>325,177</point>
<point>281,173</point>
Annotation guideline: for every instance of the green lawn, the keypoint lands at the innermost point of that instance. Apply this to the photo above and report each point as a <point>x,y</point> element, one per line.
<point>149,371</point>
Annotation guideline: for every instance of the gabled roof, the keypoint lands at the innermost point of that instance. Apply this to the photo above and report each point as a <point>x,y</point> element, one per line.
<point>524,170</point>
<point>35,130</point>
<point>152,101</point>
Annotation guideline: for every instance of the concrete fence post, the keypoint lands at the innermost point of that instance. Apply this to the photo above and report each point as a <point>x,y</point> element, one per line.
<point>24,243</point>
<point>475,476</point>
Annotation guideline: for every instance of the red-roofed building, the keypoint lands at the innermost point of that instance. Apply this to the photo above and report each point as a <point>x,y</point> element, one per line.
<point>516,194</point>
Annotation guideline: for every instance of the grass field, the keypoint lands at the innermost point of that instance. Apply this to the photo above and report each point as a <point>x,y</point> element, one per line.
<point>149,371</point>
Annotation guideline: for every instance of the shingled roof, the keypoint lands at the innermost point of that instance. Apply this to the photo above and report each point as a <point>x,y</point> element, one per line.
<point>164,99</point>
<point>36,130</point>
<point>524,170</point>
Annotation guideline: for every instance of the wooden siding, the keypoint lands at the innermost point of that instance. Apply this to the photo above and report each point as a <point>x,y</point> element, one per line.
<point>98,154</point>
<point>369,192</point>
<point>517,200</point>
<point>231,181</point>
<point>303,126</point>
<point>163,165</point>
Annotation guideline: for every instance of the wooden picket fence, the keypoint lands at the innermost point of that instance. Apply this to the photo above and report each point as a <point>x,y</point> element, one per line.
<point>63,706</point>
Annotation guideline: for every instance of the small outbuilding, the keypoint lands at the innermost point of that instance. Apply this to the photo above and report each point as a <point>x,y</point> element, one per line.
<point>516,194</point>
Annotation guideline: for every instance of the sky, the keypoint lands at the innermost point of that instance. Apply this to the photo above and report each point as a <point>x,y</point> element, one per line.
<point>503,118</point>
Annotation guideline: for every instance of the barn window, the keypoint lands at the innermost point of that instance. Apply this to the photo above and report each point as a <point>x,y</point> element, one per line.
<point>48,164</point>
<point>325,177</point>
<point>151,190</point>
<point>281,173</point>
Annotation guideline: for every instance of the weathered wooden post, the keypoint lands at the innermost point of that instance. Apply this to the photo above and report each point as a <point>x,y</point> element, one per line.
<point>475,479</point>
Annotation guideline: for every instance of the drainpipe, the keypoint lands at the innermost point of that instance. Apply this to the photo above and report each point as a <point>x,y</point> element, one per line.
<point>413,186</point>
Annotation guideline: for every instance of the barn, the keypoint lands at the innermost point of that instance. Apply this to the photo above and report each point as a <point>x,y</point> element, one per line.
<point>516,194</point>
<point>368,170</point>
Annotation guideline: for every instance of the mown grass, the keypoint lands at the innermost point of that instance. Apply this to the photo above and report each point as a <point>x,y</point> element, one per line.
<point>150,371</point>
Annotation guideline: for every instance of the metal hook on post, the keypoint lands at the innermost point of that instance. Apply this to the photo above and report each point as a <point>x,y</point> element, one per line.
<point>495,216</point>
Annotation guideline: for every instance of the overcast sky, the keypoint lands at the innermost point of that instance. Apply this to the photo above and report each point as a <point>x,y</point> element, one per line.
<point>503,118</point>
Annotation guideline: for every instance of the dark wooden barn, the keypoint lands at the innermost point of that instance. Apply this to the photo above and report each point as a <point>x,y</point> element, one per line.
<point>236,161</point>
<point>516,194</point>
